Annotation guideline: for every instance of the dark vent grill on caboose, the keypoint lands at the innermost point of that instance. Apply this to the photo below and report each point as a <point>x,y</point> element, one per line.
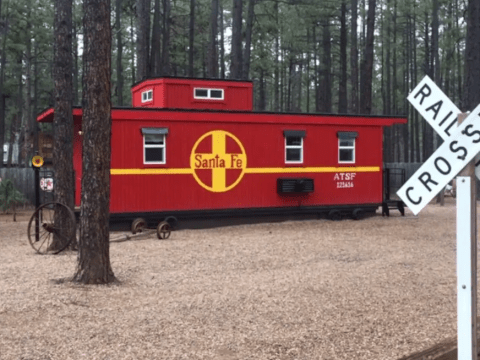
<point>294,185</point>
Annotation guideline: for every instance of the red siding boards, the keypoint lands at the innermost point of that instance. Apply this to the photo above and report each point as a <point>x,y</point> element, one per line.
<point>175,187</point>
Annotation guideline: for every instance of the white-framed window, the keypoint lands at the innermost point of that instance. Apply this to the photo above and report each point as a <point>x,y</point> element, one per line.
<point>147,96</point>
<point>346,146</point>
<point>294,146</point>
<point>154,145</point>
<point>205,93</point>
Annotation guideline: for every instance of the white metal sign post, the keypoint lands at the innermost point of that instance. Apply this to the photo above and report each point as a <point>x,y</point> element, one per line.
<point>461,144</point>
<point>466,273</point>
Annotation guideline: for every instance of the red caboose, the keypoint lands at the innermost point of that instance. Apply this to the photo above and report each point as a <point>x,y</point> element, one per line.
<point>194,148</point>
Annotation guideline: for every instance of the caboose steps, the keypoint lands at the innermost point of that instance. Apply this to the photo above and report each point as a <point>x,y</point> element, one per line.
<point>393,205</point>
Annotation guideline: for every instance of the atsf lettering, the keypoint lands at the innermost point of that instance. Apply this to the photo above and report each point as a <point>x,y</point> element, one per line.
<point>344,180</point>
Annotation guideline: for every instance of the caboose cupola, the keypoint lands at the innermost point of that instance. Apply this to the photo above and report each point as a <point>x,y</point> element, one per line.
<point>188,93</point>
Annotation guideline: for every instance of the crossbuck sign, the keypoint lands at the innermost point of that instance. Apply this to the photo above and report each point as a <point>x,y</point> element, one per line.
<point>457,150</point>
<point>460,145</point>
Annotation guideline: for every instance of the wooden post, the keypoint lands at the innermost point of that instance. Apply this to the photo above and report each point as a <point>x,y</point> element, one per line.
<point>467,261</point>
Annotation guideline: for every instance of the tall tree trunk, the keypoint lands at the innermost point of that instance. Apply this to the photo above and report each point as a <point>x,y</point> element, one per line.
<point>75,59</point>
<point>118,29</point>
<point>142,39</point>
<point>191,38</point>
<point>325,90</point>
<point>29,120</point>
<point>35,97</point>
<point>427,129</point>
<point>166,69</point>
<point>436,61</point>
<point>132,52</point>
<point>94,253</point>
<point>262,92</point>
<point>222,44</point>
<point>315,70</point>
<point>436,71</point>
<point>472,57</point>
<point>248,39</point>
<point>19,125</point>
<point>342,91</point>
<point>62,116</point>
<point>236,61</point>
<point>3,60</point>
<point>13,130</point>
<point>367,69</point>
<point>276,74</point>
<point>388,65</point>
<point>308,72</point>
<point>459,59</point>
<point>212,66</point>
<point>155,56</point>
<point>354,60</point>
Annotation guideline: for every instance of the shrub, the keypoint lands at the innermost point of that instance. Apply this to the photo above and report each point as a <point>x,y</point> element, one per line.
<point>9,196</point>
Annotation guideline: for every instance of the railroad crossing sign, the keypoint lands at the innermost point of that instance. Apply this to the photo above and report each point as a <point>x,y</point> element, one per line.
<point>439,111</point>
<point>460,146</point>
<point>443,165</point>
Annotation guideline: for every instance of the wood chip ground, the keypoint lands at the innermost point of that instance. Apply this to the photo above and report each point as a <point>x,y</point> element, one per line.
<point>379,288</point>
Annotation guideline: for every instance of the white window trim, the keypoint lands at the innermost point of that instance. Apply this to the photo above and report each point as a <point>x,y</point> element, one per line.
<point>208,97</point>
<point>294,147</point>
<point>160,146</point>
<point>147,92</point>
<point>346,148</point>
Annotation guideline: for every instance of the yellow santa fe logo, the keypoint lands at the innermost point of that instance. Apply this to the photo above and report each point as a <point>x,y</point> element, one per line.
<point>221,169</point>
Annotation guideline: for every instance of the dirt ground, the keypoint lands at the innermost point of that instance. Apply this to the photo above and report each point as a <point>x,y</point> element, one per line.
<point>379,288</point>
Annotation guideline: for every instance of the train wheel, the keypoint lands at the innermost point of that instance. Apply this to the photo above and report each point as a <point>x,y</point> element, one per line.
<point>42,229</point>
<point>335,215</point>
<point>138,225</point>
<point>172,221</point>
<point>163,230</point>
<point>358,214</point>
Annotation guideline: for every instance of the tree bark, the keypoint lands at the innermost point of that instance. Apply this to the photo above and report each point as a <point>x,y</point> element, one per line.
<point>62,116</point>
<point>367,69</point>
<point>166,38</point>
<point>75,60</point>
<point>248,39</point>
<point>222,44</point>
<point>342,91</point>
<point>29,120</point>
<point>354,60</point>
<point>472,57</point>
<point>276,74</point>
<point>3,59</point>
<point>236,61</point>
<point>94,253</point>
<point>155,56</point>
<point>118,29</point>
<point>191,38</point>
<point>325,90</point>
<point>212,66</point>
<point>142,39</point>
<point>19,99</point>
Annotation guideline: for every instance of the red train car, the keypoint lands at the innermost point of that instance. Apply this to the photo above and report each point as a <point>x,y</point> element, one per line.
<point>193,148</point>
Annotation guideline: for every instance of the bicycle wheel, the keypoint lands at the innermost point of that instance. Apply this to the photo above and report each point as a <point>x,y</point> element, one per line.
<point>47,237</point>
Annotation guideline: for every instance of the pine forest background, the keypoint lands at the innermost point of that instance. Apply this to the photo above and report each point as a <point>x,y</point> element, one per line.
<point>355,57</point>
